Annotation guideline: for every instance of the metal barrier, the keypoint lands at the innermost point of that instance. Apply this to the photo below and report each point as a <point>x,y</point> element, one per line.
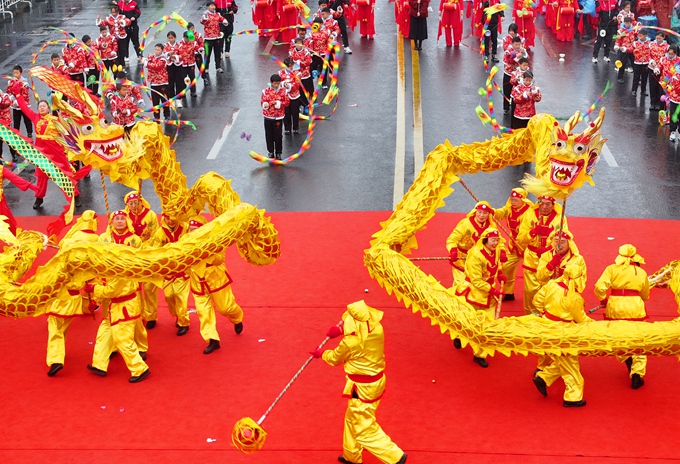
<point>5,4</point>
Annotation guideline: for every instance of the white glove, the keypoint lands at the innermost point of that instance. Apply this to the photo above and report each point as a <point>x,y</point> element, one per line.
<point>623,49</point>
<point>265,105</point>
<point>71,65</point>
<point>127,112</point>
<point>277,105</point>
<point>525,95</point>
<point>145,61</point>
<point>616,48</point>
<point>141,103</point>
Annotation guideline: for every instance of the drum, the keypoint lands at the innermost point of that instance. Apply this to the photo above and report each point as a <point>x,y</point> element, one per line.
<point>450,6</point>
<point>289,7</point>
<point>364,2</point>
<point>567,11</point>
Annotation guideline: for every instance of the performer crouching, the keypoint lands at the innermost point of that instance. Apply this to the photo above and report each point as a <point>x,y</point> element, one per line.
<point>361,352</point>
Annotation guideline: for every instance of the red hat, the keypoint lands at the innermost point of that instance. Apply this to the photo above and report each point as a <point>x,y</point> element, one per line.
<point>483,206</point>
<point>563,234</point>
<point>492,234</point>
<point>546,198</point>
<point>131,196</point>
<point>120,212</point>
<point>195,223</point>
<point>515,194</point>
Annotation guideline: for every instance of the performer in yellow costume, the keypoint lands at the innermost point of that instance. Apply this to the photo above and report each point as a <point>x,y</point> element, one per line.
<point>176,290</point>
<point>514,210</point>
<point>628,287</point>
<point>465,235</point>
<point>482,268</point>
<point>117,329</point>
<point>560,300</point>
<point>210,283</point>
<point>564,252</point>
<point>69,304</point>
<point>361,351</point>
<point>533,236</point>
<point>145,223</point>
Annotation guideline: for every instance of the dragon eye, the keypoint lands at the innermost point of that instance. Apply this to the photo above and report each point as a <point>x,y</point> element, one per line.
<point>560,144</point>
<point>103,123</point>
<point>87,129</point>
<point>579,148</point>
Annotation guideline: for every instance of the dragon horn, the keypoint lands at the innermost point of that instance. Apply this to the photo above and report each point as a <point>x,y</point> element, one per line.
<point>596,124</point>
<point>571,123</point>
<point>66,86</point>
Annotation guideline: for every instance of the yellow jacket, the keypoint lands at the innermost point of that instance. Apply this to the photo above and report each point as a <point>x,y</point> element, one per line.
<point>543,274</point>
<point>215,276</point>
<point>145,224</point>
<point>164,235</point>
<point>559,304</point>
<point>513,218</point>
<point>364,366</point>
<point>70,303</point>
<point>464,236</point>
<point>536,246</point>
<point>481,269</point>
<point>125,304</point>
<point>626,277</point>
<point>127,238</point>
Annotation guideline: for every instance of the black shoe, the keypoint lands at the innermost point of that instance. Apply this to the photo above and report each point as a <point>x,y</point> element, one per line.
<point>345,461</point>
<point>238,328</point>
<point>96,371</point>
<point>541,386</point>
<point>536,371</point>
<point>286,132</point>
<point>77,201</point>
<point>574,404</point>
<point>506,111</point>
<point>206,82</point>
<point>38,203</point>
<point>140,377</point>
<point>481,361</point>
<point>456,343</point>
<point>54,368</point>
<point>403,459</point>
<point>270,155</point>
<point>193,95</point>
<point>629,363</point>
<point>150,324</point>
<point>494,59</point>
<point>636,381</point>
<point>142,354</point>
<point>212,346</point>
<point>635,93</point>
<point>654,108</point>
<point>620,81</point>
<point>645,94</point>
<point>509,297</point>
<point>182,331</point>
<point>278,156</point>
<point>113,354</point>
<point>586,37</point>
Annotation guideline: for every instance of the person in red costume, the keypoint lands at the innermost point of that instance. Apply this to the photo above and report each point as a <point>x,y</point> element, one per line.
<point>523,14</point>
<point>290,16</point>
<point>451,22</point>
<point>366,18</point>
<point>265,15</point>
<point>117,24</point>
<point>274,100</point>
<point>130,9</point>
<point>75,60</point>
<point>212,21</point>
<point>565,22</point>
<point>524,97</point>
<point>123,107</point>
<point>228,9</point>
<point>107,46</point>
<point>402,16</point>
<point>44,141</point>
<point>18,88</point>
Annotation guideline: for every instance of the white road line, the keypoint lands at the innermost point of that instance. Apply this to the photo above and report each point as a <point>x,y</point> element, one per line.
<point>400,155</point>
<point>217,146</point>
<point>608,157</point>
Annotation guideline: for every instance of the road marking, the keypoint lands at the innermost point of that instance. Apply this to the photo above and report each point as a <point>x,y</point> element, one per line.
<point>418,155</point>
<point>270,44</point>
<point>217,146</point>
<point>608,157</point>
<point>400,155</point>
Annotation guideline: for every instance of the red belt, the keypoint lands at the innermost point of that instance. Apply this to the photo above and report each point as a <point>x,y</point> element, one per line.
<point>360,378</point>
<point>74,292</point>
<point>624,292</point>
<point>122,299</point>
<point>555,318</point>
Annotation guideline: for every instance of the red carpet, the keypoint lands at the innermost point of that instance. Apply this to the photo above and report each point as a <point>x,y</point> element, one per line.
<point>467,414</point>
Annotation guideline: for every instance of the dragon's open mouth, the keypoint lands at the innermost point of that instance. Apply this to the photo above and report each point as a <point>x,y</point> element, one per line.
<point>563,173</point>
<point>105,149</point>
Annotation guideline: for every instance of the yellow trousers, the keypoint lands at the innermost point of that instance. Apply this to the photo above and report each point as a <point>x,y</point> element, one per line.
<point>531,287</point>
<point>491,315</point>
<point>639,364</point>
<point>226,305</point>
<point>149,301</point>
<point>567,367</point>
<point>120,337</point>
<point>57,328</point>
<point>363,432</point>
<point>510,271</point>
<point>141,335</point>
<point>177,296</point>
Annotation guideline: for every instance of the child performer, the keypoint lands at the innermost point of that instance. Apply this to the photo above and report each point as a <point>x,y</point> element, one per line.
<point>157,67</point>
<point>525,96</point>
<point>274,100</point>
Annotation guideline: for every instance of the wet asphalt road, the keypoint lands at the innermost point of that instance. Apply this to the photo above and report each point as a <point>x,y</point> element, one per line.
<point>351,163</point>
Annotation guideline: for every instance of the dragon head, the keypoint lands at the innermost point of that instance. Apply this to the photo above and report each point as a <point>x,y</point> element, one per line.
<point>569,160</point>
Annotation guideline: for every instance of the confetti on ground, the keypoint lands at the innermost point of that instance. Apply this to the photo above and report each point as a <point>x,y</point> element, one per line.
<point>261,340</point>
<point>103,407</point>
<point>610,238</point>
<point>354,104</point>
<point>211,440</point>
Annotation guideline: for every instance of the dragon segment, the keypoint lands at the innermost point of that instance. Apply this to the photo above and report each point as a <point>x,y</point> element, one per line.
<point>555,151</point>
<point>144,154</point>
